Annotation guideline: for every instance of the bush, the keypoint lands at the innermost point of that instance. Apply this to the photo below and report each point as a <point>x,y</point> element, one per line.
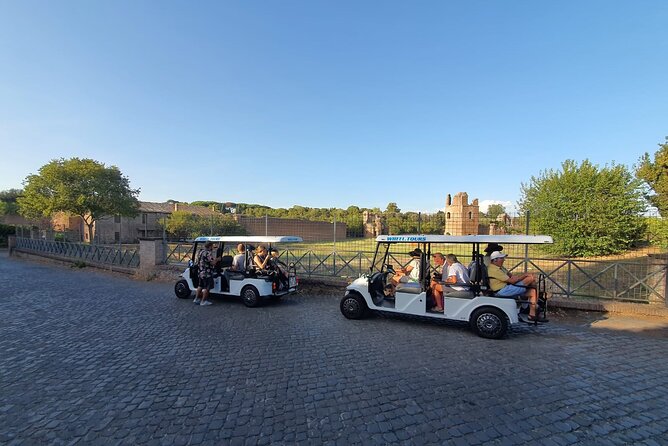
<point>5,231</point>
<point>588,210</point>
<point>657,232</point>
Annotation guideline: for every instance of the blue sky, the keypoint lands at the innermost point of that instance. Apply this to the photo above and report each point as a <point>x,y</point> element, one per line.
<point>330,103</point>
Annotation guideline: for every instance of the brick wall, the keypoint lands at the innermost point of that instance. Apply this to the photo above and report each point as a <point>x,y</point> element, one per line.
<point>310,231</point>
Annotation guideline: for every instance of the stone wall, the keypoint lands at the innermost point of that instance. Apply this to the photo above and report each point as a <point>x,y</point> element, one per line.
<point>310,231</point>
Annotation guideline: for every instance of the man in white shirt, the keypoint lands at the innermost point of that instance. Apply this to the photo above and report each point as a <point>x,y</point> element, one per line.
<point>452,279</point>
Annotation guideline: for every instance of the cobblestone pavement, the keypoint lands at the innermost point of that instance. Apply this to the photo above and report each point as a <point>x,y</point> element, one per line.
<point>94,358</point>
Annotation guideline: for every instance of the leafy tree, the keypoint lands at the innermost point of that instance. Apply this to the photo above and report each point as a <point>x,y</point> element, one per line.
<point>179,224</point>
<point>657,231</point>
<point>6,230</point>
<point>392,208</point>
<point>494,210</point>
<point>183,225</point>
<point>208,204</point>
<point>435,224</point>
<point>655,174</point>
<point>588,211</point>
<point>82,187</point>
<point>8,204</point>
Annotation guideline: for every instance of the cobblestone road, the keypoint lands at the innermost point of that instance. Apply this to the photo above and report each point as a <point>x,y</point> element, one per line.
<point>95,358</point>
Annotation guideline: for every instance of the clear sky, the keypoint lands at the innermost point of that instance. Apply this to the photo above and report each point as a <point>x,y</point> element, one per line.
<point>330,103</point>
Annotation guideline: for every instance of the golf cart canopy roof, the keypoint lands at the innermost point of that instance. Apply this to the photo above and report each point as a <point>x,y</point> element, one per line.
<point>251,239</point>
<point>501,239</point>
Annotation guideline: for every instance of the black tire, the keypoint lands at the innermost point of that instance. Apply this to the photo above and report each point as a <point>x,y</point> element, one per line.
<point>250,296</point>
<point>353,306</point>
<point>490,323</point>
<point>182,290</point>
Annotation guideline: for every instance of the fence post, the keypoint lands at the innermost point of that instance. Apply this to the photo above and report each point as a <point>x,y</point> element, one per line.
<point>568,279</point>
<point>11,243</point>
<point>150,254</point>
<point>334,252</point>
<point>526,247</point>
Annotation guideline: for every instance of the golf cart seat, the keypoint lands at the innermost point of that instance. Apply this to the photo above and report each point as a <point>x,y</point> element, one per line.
<point>407,288</point>
<point>226,261</point>
<point>466,294</point>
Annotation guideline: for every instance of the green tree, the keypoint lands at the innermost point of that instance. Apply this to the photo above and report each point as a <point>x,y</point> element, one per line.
<point>179,224</point>
<point>494,210</point>
<point>82,187</point>
<point>588,211</point>
<point>655,174</point>
<point>392,208</point>
<point>8,205</point>
<point>183,225</point>
<point>208,204</point>
<point>434,224</point>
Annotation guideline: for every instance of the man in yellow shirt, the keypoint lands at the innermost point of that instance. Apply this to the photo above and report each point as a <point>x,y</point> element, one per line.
<point>505,284</point>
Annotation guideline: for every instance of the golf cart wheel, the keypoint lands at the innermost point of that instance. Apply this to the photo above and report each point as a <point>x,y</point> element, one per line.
<point>181,289</point>
<point>250,296</point>
<point>490,323</point>
<point>353,306</point>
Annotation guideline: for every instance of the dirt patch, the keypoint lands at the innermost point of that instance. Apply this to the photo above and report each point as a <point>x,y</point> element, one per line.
<point>322,288</point>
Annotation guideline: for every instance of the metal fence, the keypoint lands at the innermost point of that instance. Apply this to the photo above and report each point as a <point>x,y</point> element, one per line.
<point>99,254</point>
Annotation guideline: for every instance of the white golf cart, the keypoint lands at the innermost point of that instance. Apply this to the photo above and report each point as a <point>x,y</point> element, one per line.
<point>250,283</point>
<point>487,315</point>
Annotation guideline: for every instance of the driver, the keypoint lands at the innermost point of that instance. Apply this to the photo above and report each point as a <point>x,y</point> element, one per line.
<point>410,274</point>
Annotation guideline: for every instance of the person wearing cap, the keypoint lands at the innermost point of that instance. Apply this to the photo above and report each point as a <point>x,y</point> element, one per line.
<point>454,273</point>
<point>206,264</point>
<point>505,284</point>
<point>410,274</point>
<point>491,247</point>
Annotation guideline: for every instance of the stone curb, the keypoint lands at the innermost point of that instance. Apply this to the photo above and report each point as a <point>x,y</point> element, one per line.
<point>657,310</point>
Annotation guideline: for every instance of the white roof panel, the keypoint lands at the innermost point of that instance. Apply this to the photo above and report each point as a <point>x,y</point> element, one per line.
<point>251,239</point>
<point>428,238</point>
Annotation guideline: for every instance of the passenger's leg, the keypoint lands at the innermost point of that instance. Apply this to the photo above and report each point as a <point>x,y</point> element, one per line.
<point>533,300</point>
<point>437,292</point>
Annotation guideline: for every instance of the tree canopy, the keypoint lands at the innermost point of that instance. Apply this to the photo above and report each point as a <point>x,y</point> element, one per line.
<point>82,187</point>
<point>184,225</point>
<point>8,199</point>
<point>655,174</point>
<point>588,210</point>
<point>494,210</point>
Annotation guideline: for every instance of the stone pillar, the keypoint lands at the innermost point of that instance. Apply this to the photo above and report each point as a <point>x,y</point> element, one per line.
<point>659,265</point>
<point>11,243</point>
<point>151,253</point>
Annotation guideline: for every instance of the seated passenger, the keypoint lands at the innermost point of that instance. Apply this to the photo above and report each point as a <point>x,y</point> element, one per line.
<point>239,260</point>
<point>261,257</point>
<point>505,284</point>
<point>410,274</point>
<point>491,247</point>
<point>454,273</point>
<point>275,264</point>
